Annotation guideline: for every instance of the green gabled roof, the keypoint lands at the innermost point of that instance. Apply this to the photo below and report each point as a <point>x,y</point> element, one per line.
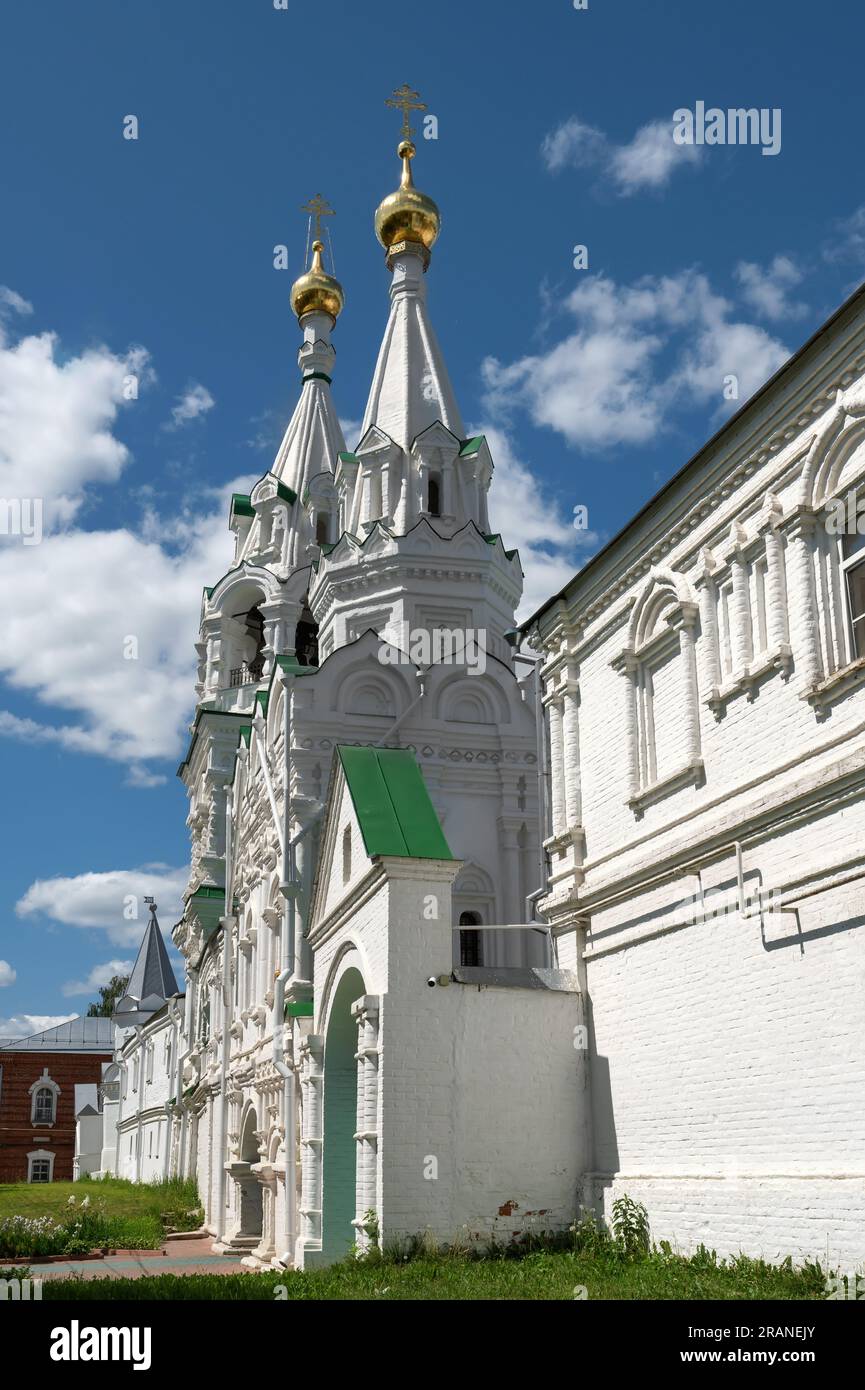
<point>241,505</point>
<point>392,803</point>
<point>472,446</point>
<point>347,456</point>
<point>286,493</point>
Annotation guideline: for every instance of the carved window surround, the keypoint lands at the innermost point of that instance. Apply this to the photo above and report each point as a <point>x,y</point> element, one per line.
<point>841,682</point>
<point>676,634</point>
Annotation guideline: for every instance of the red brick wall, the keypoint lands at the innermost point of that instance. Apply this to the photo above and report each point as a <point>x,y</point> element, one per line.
<point>18,1136</point>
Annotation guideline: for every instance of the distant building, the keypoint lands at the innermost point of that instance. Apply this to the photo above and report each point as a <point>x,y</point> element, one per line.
<point>39,1077</point>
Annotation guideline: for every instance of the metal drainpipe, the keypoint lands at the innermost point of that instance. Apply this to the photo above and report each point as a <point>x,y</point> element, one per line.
<point>226,1005</point>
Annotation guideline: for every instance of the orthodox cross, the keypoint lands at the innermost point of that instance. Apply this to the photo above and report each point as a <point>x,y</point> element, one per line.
<point>405,100</point>
<point>318,208</point>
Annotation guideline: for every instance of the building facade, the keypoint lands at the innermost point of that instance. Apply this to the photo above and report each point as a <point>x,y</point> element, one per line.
<point>469,947</point>
<point>704,687</point>
<point>38,1080</point>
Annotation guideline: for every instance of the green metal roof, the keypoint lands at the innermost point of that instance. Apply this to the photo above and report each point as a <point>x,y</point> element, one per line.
<point>392,803</point>
<point>241,505</point>
<point>472,446</point>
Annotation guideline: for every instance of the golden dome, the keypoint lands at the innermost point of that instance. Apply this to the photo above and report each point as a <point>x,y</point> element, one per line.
<point>316,291</point>
<point>407,215</point>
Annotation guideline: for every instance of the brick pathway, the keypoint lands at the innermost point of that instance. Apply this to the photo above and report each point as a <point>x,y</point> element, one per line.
<point>175,1257</point>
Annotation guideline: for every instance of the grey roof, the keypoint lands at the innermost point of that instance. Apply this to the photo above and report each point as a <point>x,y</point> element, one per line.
<point>152,973</point>
<point>78,1035</point>
<point>152,980</point>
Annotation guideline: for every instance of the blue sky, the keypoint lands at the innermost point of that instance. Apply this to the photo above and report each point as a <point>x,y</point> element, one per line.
<point>156,256</point>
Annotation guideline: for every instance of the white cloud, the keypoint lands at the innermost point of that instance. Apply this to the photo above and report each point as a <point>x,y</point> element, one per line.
<point>648,161</point>
<point>7,974</point>
<point>610,381</point>
<point>100,975</point>
<point>195,402</point>
<point>350,431</point>
<point>13,303</point>
<point>25,1025</point>
<point>104,900</point>
<point>848,239</point>
<point>57,414</point>
<point>766,288</point>
<point>85,594</point>
<point>528,518</point>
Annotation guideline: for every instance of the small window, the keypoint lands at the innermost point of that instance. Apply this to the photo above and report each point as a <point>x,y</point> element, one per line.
<point>346,854</point>
<point>854,570</point>
<point>471,949</point>
<point>40,1170</point>
<point>322,528</point>
<point>434,495</point>
<point>44,1110</point>
<point>725,629</point>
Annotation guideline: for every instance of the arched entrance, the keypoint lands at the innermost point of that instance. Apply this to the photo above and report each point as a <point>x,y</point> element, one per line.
<point>339,1149</point>
<point>250,1214</point>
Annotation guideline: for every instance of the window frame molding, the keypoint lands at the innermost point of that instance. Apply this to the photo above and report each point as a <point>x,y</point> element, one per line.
<point>677,630</point>
<point>40,1156</point>
<point>44,1083</point>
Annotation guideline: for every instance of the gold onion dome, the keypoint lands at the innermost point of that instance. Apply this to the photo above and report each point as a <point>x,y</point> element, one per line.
<point>316,292</point>
<point>407,214</point>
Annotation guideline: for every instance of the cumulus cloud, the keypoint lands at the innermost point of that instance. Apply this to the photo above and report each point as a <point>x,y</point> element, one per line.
<point>633,354</point>
<point>117,617</point>
<point>528,517</point>
<point>648,161</point>
<point>57,415</point>
<point>112,901</point>
<point>195,402</point>
<point>100,975</point>
<point>7,975</point>
<point>767,288</point>
<point>25,1025</point>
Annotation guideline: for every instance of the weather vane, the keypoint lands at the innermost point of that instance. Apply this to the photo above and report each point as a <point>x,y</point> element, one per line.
<point>405,100</point>
<point>318,208</point>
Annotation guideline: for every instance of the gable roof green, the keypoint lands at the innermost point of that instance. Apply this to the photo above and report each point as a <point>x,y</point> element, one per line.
<point>392,803</point>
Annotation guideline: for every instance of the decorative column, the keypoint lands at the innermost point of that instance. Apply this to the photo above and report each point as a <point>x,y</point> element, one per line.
<point>804,626</point>
<point>571,754</point>
<point>311,1066</point>
<point>554,705</point>
<point>710,664</point>
<point>741,616</point>
<point>684,622</point>
<point>365,1012</point>
<point>777,627</point>
<point>626,665</point>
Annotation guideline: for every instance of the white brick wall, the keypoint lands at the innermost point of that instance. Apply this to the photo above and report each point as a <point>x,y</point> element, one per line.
<point>726,1074</point>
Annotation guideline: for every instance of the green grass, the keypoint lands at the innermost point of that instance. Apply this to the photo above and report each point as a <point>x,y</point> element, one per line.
<point>120,1214</point>
<point>539,1276</point>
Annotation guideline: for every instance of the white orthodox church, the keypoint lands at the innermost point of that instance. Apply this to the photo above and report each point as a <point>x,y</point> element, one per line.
<point>472,941</point>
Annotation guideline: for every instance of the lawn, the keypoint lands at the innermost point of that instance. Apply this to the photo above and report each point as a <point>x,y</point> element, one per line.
<point>544,1275</point>
<point>118,1213</point>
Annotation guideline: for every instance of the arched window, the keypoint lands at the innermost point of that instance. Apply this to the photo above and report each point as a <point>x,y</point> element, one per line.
<point>306,639</point>
<point>43,1100</point>
<point>322,528</point>
<point>471,947</point>
<point>251,648</point>
<point>346,854</point>
<point>434,495</point>
<point>43,1110</point>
